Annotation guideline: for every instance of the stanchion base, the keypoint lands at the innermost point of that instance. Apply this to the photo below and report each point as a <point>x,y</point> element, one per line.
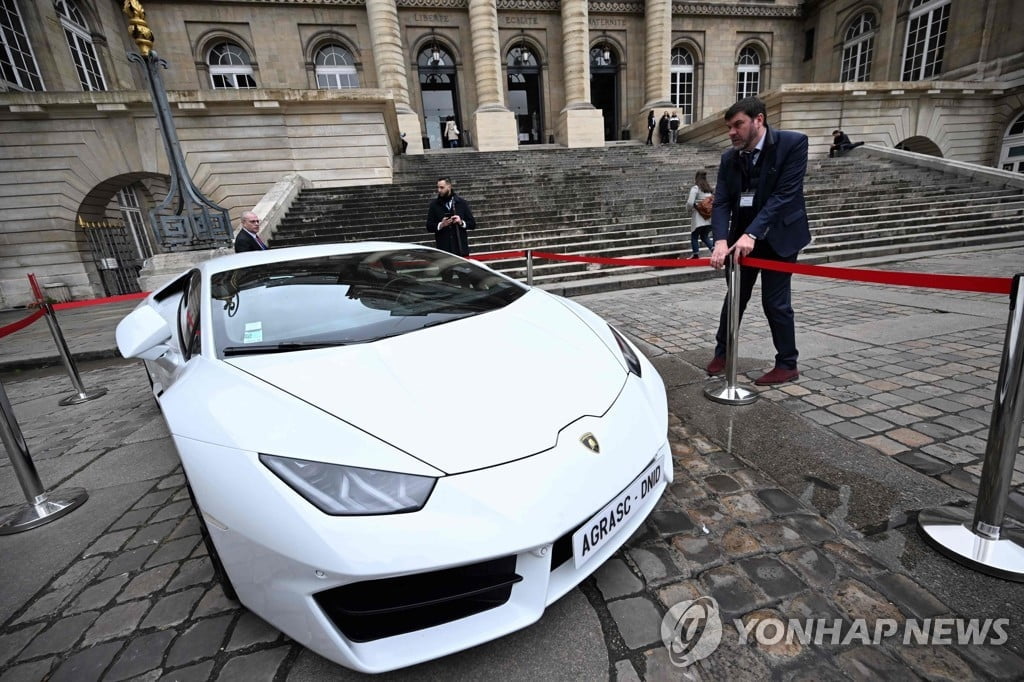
<point>721,392</point>
<point>53,506</point>
<point>82,397</point>
<point>948,530</point>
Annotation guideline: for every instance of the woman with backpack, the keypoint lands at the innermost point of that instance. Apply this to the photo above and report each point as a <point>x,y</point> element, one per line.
<point>699,202</point>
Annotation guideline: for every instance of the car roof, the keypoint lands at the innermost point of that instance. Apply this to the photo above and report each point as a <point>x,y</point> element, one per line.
<point>249,258</point>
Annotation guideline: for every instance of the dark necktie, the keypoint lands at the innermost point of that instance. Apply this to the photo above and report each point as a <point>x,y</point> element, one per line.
<point>747,155</point>
<point>746,165</point>
<point>263,246</point>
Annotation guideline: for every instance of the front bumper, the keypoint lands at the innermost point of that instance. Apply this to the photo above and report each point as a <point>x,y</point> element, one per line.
<point>486,555</point>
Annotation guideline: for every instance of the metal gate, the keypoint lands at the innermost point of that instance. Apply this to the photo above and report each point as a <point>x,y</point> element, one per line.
<point>115,255</point>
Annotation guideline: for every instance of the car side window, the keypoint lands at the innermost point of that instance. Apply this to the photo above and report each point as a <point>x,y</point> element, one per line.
<point>188,317</point>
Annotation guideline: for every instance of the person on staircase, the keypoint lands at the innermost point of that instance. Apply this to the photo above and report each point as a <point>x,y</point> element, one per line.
<point>651,125</point>
<point>841,144</point>
<point>451,132</point>
<point>673,127</point>
<point>663,128</point>
<point>248,238</point>
<point>701,225</point>
<point>449,217</point>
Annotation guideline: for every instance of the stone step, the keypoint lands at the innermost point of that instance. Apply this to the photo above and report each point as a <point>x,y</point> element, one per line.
<point>627,201</point>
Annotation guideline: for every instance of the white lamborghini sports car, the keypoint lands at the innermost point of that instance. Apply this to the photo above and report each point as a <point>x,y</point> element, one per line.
<point>397,453</point>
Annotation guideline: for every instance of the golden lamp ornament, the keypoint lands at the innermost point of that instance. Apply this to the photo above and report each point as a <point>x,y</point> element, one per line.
<point>138,29</point>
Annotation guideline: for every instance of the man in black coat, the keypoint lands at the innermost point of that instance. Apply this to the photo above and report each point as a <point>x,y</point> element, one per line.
<point>448,217</point>
<point>759,211</point>
<point>248,238</point>
<point>841,144</point>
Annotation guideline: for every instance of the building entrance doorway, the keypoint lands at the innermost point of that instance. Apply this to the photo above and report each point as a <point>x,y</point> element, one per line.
<point>524,94</point>
<point>604,87</point>
<point>440,96</point>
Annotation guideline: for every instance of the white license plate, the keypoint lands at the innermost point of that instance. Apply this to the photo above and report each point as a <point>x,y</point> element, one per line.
<point>605,524</point>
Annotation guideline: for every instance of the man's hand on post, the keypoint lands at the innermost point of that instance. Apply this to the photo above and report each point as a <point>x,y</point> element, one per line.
<point>744,245</point>
<point>719,254</point>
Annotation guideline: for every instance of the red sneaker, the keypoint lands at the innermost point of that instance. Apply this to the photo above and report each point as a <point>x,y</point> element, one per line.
<point>716,366</point>
<point>779,375</point>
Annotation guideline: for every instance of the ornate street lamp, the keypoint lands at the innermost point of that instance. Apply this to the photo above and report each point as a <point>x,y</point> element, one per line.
<point>195,222</point>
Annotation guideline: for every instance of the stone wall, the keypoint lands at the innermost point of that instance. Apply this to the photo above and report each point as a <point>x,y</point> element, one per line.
<point>966,121</point>
<point>66,155</point>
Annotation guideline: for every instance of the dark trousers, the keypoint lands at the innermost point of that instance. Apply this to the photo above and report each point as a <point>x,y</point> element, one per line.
<point>776,300</point>
<point>701,234</point>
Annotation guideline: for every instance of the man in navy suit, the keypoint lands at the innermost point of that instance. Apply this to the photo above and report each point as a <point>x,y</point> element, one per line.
<point>248,238</point>
<point>759,211</point>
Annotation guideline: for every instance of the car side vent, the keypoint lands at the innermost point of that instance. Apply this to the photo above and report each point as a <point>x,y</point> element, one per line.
<point>374,609</point>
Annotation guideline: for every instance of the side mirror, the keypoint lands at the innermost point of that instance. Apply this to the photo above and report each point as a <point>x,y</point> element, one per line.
<point>143,334</point>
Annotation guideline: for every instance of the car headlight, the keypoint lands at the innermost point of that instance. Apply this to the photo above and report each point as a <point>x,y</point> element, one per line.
<point>351,491</point>
<point>632,361</point>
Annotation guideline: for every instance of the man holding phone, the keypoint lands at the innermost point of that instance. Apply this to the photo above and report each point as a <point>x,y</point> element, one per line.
<point>448,217</point>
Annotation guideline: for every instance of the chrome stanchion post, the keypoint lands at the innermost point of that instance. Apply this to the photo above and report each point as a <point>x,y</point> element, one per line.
<point>81,394</point>
<point>42,507</point>
<point>529,267</point>
<point>725,390</point>
<point>982,542</point>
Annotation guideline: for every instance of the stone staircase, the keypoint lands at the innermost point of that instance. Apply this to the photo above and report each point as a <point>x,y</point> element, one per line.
<point>626,200</point>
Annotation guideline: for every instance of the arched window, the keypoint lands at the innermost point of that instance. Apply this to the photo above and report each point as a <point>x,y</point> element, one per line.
<point>681,83</point>
<point>603,55</point>
<point>748,73</point>
<point>335,68</point>
<point>18,67</point>
<point>79,38</point>
<point>926,39</point>
<point>1011,157</point>
<point>435,65</point>
<point>230,67</point>
<point>857,49</point>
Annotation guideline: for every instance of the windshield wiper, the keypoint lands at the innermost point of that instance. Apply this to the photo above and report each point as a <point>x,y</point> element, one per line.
<point>281,347</point>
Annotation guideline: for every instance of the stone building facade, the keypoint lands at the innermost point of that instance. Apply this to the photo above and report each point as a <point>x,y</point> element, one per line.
<point>264,89</point>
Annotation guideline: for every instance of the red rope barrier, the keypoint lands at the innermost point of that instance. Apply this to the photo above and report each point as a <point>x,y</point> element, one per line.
<point>498,255</point>
<point>20,324</point>
<point>100,301</point>
<point>985,285</point>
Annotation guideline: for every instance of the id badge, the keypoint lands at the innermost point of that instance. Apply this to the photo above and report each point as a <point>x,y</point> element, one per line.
<point>746,199</point>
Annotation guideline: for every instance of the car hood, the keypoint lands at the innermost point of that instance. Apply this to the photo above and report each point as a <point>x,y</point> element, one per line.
<point>466,395</point>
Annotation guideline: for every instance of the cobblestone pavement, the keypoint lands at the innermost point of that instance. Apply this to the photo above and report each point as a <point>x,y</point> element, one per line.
<point>908,372</point>
<point>122,589</point>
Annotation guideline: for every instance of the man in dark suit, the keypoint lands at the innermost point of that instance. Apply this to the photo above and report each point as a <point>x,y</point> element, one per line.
<point>448,217</point>
<point>759,211</point>
<point>841,144</point>
<point>248,238</point>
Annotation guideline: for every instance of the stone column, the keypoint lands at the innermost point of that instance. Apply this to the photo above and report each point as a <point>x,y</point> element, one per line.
<point>658,25</point>
<point>389,56</point>
<point>494,124</point>
<point>579,123</point>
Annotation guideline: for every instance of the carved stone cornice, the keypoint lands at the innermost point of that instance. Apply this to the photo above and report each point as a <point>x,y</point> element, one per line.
<point>679,7</point>
<point>716,9</point>
<point>530,5</point>
<point>433,4</point>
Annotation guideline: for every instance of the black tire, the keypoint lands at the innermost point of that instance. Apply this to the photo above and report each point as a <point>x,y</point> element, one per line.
<point>155,400</point>
<point>218,566</point>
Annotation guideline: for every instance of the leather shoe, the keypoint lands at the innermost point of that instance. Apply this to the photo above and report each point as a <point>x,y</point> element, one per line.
<point>716,366</point>
<point>779,375</point>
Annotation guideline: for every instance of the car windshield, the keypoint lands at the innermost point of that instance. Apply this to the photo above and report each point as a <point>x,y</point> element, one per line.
<point>348,298</point>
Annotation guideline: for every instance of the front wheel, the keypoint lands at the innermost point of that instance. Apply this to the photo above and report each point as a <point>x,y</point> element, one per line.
<point>218,566</point>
